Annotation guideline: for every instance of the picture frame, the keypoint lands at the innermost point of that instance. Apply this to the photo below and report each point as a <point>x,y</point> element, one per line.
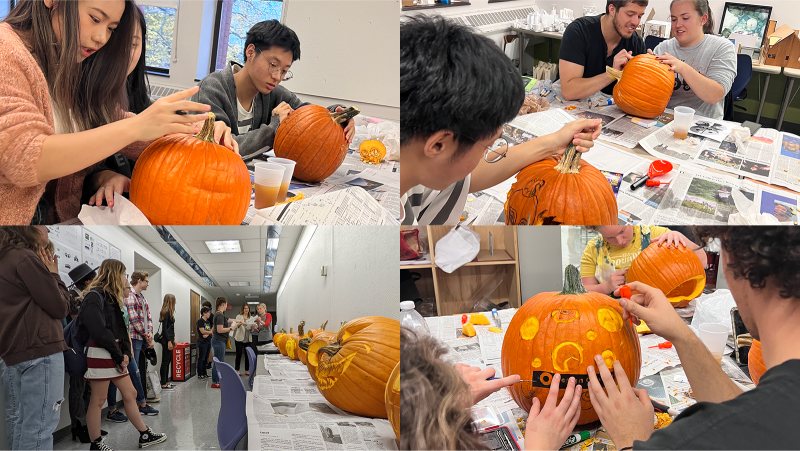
<point>745,19</point>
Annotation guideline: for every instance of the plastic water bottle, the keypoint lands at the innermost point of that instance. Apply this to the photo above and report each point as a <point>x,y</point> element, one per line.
<point>411,319</point>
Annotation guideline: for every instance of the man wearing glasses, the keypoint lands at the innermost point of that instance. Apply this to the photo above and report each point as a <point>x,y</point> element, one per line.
<point>457,89</point>
<point>248,98</point>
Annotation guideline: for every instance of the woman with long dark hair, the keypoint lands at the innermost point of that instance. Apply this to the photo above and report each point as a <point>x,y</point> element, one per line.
<point>167,318</point>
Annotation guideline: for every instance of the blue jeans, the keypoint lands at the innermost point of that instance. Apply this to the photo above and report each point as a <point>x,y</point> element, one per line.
<point>219,353</point>
<point>136,378</point>
<point>34,392</point>
<point>203,349</point>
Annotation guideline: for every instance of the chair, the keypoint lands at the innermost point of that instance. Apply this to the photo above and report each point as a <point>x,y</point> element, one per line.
<point>251,359</point>
<point>232,421</point>
<point>652,41</point>
<point>738,92</point>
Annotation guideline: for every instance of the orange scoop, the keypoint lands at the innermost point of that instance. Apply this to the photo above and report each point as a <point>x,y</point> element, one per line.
<point>657,168</point>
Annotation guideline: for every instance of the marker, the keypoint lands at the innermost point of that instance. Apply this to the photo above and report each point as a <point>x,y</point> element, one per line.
<point>496,318</point>
<point>576,438</point>
<point>609,101</point>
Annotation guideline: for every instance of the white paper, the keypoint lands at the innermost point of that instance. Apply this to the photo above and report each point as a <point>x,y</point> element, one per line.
<point>123,213</point>
<point>351,206</point>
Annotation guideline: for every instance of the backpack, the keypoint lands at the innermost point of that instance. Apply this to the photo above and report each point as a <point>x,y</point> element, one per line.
<point>75,357</point>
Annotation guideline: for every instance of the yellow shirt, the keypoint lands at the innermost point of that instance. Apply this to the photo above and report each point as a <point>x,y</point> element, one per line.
<point>600,258</point>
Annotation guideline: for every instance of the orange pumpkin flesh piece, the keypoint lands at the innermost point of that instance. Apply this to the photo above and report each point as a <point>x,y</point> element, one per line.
<point>190,180</point>
<point>644,88</point>
<point>393,400</point>
<point>677,272</point>
<point>561,333</point>
<point>567,191</point>
<point>755,362</point>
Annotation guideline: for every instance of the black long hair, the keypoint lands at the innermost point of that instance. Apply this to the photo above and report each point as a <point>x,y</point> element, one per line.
<point>138,85</point>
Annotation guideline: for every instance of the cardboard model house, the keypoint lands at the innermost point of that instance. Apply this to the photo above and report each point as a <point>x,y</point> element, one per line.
<point>781,48</point>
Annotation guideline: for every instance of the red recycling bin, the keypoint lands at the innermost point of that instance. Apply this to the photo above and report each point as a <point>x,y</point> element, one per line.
<point>181,362</point>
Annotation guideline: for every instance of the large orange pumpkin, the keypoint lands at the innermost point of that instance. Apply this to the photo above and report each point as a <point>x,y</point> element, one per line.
<point>312,350</point>
<point>676,271</point>
<point>755,362</point>
<point>313,137</point>
<point>352,372</point>
<point>190,180</point>
<point>393,400</point>
<point>281,342</point>
<point>644,86</point>
<point>566,191</point>
<point>561,333</point>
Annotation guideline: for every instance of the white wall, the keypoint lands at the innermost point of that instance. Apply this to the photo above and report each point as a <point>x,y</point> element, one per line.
<point>362,279</point>
<point>540,266</point>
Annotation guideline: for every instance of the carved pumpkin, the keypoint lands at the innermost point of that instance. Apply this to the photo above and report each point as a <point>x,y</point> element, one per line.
<point>755,362</point>
<point>293,341</point>
<point>372,151</point>
<point>313,137</point>
<point>676,271</point>
<point>352,372</point>
<point>561,333</point>
<point>281,342</point>
<point>565,191</point>
<point>393,400</point>
<point>190,180</point>
<point>302,345</point>
<point>313,346</point>
<point>644,86</point>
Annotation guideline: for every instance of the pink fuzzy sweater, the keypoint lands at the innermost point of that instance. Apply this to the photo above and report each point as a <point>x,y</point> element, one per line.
<point>26,119</point>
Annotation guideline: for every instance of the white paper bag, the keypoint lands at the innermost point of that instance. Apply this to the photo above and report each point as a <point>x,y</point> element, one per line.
<point>457,248</point>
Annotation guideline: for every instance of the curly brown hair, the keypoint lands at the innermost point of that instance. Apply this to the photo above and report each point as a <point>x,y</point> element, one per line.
<point>21,236</point>
<point>760,254</point>
<point>435,401</point>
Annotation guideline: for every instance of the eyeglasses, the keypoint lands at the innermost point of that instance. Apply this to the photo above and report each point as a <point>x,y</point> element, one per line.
<point>496,151</point>
<point>286,75</point>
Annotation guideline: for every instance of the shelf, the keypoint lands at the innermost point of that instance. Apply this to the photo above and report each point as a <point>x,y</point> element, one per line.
<point>428,265</point>
<point>436,5</point>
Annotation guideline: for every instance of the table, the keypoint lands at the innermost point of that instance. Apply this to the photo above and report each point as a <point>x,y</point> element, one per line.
<point>791,74</point>
<point>522,33</point>
<point>770,71</point>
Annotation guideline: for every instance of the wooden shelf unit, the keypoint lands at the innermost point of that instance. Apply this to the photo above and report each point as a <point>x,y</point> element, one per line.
<point>454,292</point>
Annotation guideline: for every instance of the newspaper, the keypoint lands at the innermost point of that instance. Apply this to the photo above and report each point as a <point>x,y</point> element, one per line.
<point>350,206</point>
<point>383,186</point>
<point>593,107</point>
<point>665,146</point>
<point>787,162</point>
<point>444,328</point>
<point>277,387</point>
<point>781,204</point>
<point>627,131</point>
<point>544,122</point>
<point>753,158</point>
<point>484,209</point>
<point>654,359</point>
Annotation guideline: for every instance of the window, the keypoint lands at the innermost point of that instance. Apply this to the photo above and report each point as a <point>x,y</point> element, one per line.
<point>234,19</point>
<point>5,8</point>
<point>160,33</point>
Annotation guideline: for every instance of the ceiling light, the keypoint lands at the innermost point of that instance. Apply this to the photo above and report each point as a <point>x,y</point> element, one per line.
<point>221,247</point>
<point>238,284</point>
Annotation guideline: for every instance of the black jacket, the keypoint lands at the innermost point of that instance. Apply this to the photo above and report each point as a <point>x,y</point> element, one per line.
<point>105,326</point>
<point>168,330</point>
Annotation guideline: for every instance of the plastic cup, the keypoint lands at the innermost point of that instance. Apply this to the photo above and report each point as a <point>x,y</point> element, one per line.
<point>268,179</point>
<point>714,336</point>
<point>287,176</point>
<point>682,122</point>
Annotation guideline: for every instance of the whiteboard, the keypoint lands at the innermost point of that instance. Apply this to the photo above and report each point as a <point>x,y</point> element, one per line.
<point>349,49</point>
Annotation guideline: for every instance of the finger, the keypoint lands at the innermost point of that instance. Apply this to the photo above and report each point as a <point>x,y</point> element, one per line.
<point>96,196</point>
<point>596,395</point>
<point>605,375</point>
<point>552,395</point>
<point>622,378</point>
<point>497,384</point>
<point>584,146</point>
<point>574,406</point>
<point>182,94</point>
<point>109,193</point>
<point>644,397</point>
<point>536,407</point>
<point>235,146</point>
<point>566,400</point>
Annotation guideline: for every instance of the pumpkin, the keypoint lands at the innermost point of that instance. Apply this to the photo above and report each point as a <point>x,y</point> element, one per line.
<point>675,271</point>
<point>352,372</point>
<point>190,180</point>
<point>313,137</point>
<point>312,350</point>
<point>372,151</point>
<point>392,397</point>
<point>293,341</point>
<point>282,341</point>
<point>755,362</point>
<point>561,333</point>
<point>565,191</point>
<point>468,329</point>
<point>644,86</point>
<point>479,319</point>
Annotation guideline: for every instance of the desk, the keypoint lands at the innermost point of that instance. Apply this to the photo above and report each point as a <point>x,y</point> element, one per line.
<point>770,71</point>
<point>522,34</point>
<point>791,74</point>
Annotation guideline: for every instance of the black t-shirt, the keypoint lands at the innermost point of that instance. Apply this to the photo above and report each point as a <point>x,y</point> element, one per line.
<point>206,326</point>
<point>766,417</point>
<point>220,320</point>
<point>584,44</point>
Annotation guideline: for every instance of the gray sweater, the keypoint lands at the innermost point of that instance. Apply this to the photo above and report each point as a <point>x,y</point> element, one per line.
<point>219,90</point>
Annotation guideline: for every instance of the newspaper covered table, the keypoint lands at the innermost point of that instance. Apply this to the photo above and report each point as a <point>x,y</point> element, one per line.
<point>286,411</point>
<point>661,375</point>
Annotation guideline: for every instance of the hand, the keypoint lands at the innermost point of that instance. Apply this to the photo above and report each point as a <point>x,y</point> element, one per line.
<point>622,58</point>
<point>350,129</point>
<point>124,365</point>
<point>283,110</point>
<point>626,413</point>
<point>581,133</point>
<point>549,427</point>
<point>161,118</point>
<point>169,346</point>
<point>478,385</point>
<point>108,183</point>
<point>616,280</point>
<point>50,260</point>
<point>651,306</point>
<point>673,238</point>
<point>151,345</point>
<point>675,65</point>
<point>650,52</point>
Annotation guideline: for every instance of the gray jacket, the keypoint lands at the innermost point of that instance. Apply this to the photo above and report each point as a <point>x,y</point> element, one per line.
<point>219,90</point>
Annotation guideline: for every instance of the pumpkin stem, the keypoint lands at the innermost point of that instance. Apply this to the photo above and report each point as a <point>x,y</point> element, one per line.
<point>291,330</point>
<point>572,281</point>
<point>614,73</point>
<point>304,344</point>
<point>571,161</point>
<point>322,327</point>
<point>283,331</point>
<point>300,327</point>
<point>207,133</point>
<point>345,115</point>
<point>331,349</point>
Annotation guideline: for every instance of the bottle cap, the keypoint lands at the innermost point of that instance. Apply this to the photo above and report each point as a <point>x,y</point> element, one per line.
<point>407,305</point>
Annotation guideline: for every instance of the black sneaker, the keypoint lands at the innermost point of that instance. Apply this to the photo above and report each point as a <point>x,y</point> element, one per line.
<point>100,445</point>
<point>148,437</point>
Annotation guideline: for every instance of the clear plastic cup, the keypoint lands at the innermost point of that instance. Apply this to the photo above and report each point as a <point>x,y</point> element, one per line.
<point>268,179</point>
<point>683,120</point>
<point>714,336</point>
<point>287,176</point>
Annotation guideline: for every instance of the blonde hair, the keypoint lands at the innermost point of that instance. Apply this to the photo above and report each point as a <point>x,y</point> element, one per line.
<point>109,280</point>
<point>262,305</point>
<point>168,307</point>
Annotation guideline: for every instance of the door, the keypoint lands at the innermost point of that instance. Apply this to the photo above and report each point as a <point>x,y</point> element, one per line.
<point>194,298</point>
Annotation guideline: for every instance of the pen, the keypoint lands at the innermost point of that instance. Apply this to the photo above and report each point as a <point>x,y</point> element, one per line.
<point>576,438</point>
<point>496,318</point>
